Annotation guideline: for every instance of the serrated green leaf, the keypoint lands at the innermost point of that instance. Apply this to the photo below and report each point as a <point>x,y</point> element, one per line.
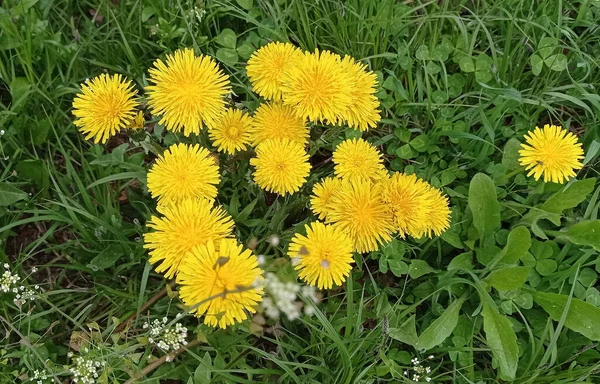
<point>484,206</point>
<point>508,279</point>
<point>570,196</point>
<point>502,340</point>
<point>441,328</point>
<point>581,317</point>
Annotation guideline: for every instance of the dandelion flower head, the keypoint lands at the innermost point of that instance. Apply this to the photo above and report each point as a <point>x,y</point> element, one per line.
<point>267,65</point>
<point>219,282</point>
<point>406,197</point>
<point>105,105</point>
<point>363,111</point>
<point>278,121</point>
<point>323,192</point>
<point>231,132</point>
<point>437,213</point>
<point>357,159</point>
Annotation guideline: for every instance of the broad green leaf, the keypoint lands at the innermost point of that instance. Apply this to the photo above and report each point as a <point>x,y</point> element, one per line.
<point>419,268</point>
<point>546,267</point>
<point>501,339</point>
<point>517,245</point>
<point>406,332</point>
<point>508,279</point>
<point>399,268</point>
<point>420,143</point>
<point>483,68</point>
<point>227,56</point>
<point>581,317</point>
<point>441,328</point>
<point>557,62</point>
<point>423,53</point>
<point>405,152</point>
<point>537,64</point>
<point>10,194</point>
<point>246,4</point>
<point>570,196</point>
<point>510,155</point>
<point>585,233</point>
<point>484,206</point>
<point>19,90</point>
<point>107,258</point>
<point>464,261</point>
<point>547,46</point>
<point>466,64</point>
<point>203,373</point>
<point>226,38</point>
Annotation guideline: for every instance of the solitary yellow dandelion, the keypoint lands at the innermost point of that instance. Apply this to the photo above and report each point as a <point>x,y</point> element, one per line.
<point>323,257</point>
<point>318,87</point>
<point>406,197</point>
<point>267,65</point>
<point>188,91</point>
<point>359,210</point>
<point>437,213</point>
<point>104,106</point>
<point>363,111</point>
<point>357,159</point>
<point>281,166</point>
<point>219,281</point>
<point>323,193</point>
<point>277,121</point>
<point>183,226</point>
<point>231,132</point>
<point>182,172</point>
<point>137,122</point>
<point>553,152</point>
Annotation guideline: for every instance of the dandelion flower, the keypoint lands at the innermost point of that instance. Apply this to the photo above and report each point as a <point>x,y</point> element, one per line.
<point>267,65</point>
<point>553,152</point>
<point>357,159</point>
<point>105,105</point>
<point>278,121</point>
<point>183,171</point>
<point>363,111</point>
<point>185,225</point>
<point>188,90</point>
<point>359,210</point>
<point>437,213</point>
<point>231,132</point>
<point>137,122</point>
<point>323,193</point>
<point>219,282</point>
<point>281,166</point>
<point>318,87</point>
<point>406,196</point>
<point>324,254</point>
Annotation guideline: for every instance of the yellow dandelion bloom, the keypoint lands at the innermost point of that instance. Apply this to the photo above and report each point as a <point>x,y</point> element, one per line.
<point>324,255</point>
<point>318,87</point>
<point>553,152</point>
<point>218,281</point>
<point>281,166</point>
<point>183,171</point>
<point>437,213</point>
<point>278,121</point>
<point>406,197</point>
<point>363,111</point>
<point>137,122</point>
<point>323,193</point>
<point>104,106</point>
<point>188,91</point>
<point>359,210</point>
<point>267,65</point>
<point>357,159</point>
<point>231,132</point>
<point>182,227</point>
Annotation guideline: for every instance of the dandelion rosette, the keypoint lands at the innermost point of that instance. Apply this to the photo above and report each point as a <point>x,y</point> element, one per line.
<point>553,152</point>
<point>182,172</point>
<point>221,282</point>
<point>188,91</point>
<point>281,166</point>
<point>323,192</point>
<point>231,132</point>
<point>324,255</point>
<point>183,226</point>
<point>278,121</point>
<point>357,159</point>
<point>267,65</point>
<point>105,105</point>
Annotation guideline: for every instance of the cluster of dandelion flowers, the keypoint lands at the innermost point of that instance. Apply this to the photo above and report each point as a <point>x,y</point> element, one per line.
<point>231,132</point>
<point>323,192</point>
<point>281,166</point>
<point>278,121</point>
<point>182,227</point>
<point>357,159</point>
<point>324,256</point>
<point>267,65</point>
<point>105,105</point>
<point>358,209</point>
<point>553,152</point>
<point>219,281</point>
<point>187,91</point>
<point>363,111</point>
<point>318,87</point>
<point>183,171</point>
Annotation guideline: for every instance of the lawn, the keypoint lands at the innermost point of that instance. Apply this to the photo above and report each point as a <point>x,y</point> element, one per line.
<point>463,266</point>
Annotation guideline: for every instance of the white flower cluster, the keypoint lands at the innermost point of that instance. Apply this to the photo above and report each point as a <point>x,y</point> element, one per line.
<point>165,337</point>
<point>281,297</point>
<point>26,294</point>
<point>7,280</point>
<point>40,377</point>
<point>419,371</point>
<point>85,371</point>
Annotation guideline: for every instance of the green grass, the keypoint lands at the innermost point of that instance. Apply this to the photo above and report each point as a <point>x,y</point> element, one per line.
<point>457,88</point>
